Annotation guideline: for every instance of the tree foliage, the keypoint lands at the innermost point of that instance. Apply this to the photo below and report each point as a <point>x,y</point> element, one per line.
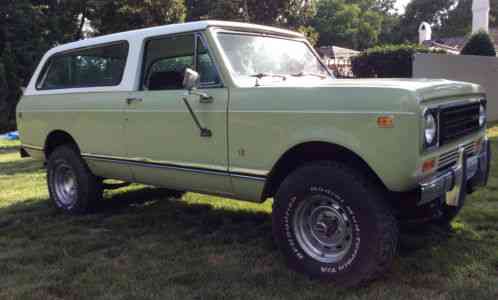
<point>434,12</point>
<point>28,28</point>
<point>480,44</point>
<point>122,15</point>
<point>459,20</point>
<point>21,42</point>
<point>288,13</point>
<point>351,24</point>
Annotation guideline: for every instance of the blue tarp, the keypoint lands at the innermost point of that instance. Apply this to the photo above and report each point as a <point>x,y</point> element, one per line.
<point>11,136</point>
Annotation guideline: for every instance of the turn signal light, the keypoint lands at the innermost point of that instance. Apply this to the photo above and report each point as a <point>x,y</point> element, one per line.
<point>385,122</point>
<point>428,165</point>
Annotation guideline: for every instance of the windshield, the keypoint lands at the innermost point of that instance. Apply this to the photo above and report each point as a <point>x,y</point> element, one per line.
<point>264,56</point>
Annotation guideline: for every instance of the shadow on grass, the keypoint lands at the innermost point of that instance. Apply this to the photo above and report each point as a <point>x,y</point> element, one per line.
<point>151,212</point>
<point>140,224</point>
<point>150,209</point>
<point>9,149</point>
<point>21,167</point>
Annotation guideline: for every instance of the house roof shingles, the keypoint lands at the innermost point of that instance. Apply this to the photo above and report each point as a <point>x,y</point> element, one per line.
<point>457,43</point>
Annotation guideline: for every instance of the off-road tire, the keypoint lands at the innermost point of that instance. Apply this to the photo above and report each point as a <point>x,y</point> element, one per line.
<point>375,229</point>
<point>88,187</point>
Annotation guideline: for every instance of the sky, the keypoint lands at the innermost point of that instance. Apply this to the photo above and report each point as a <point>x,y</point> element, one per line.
<point>400,4</point>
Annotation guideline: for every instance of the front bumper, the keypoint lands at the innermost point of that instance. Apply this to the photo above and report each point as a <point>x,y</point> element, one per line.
<point>451,186</point>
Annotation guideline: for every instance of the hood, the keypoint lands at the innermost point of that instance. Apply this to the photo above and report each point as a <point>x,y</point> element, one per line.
<point>424,89</point>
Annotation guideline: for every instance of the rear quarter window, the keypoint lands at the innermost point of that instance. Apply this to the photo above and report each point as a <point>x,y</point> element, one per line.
<point>98,66</point>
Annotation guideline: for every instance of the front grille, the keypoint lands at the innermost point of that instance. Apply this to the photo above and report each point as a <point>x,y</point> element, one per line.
<point>458,121</point>
<point>450,158</point>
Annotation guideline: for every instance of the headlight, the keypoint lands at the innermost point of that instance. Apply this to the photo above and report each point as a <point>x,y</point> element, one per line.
<point>482,115</point>
<point>430,129</point>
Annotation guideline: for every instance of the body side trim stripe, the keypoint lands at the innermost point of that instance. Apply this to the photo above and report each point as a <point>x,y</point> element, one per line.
<point>31,147</point>
<point>174,167</point>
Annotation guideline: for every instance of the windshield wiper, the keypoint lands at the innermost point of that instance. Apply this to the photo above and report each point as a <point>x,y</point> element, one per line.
<point>263,75</point>
<point>304,74</point>
<point>260,76</point>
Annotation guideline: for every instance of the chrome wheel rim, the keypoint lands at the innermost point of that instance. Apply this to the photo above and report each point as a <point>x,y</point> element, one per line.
<point>65,185</point>
<point>323,229</point>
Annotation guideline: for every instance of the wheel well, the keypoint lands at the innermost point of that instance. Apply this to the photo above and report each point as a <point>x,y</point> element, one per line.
<point>309,152</point>
<point>56,139</point>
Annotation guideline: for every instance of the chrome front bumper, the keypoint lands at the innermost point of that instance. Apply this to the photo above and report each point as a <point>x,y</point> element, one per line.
<point>452,185</point>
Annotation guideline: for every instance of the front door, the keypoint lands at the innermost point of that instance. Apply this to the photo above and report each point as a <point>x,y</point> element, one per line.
<point>164,144</point>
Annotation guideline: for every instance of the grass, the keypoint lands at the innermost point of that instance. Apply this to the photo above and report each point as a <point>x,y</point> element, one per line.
<point>146,245</point>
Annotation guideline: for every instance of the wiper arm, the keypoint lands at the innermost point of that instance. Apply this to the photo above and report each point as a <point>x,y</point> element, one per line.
<point>263,75</point>
<point>260,76</point>
<point>303,74</point>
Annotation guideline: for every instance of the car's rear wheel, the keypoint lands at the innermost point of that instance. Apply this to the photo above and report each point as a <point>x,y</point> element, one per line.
<point>72,186</point>
<point>332,223</point>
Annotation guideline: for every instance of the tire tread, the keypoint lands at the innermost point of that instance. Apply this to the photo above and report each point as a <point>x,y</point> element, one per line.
<point>387,223</point>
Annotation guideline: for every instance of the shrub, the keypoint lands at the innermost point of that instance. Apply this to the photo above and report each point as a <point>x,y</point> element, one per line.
<point>480,44</point>
<point>389,61</point>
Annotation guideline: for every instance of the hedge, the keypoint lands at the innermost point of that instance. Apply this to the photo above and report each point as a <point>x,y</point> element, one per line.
<point>480,44</point>
<point>389,61</point>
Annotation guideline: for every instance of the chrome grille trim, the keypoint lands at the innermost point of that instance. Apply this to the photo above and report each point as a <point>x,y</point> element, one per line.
<point>450,158</point>
<point>456,121</point>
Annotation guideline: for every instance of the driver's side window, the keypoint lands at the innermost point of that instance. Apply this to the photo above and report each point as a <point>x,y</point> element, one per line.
<point>165,62</point>
<point>167,58</point>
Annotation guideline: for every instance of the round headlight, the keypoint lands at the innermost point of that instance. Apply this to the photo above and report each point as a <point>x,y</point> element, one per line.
<point>430,131</point>
<point>482,115</point>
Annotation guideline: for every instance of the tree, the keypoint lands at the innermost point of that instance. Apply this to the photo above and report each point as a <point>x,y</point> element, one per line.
<point>28,28</point>
<point>385,6</point>
<point>348,25</point>
<point>12,84</point>
<point>197,9</point>
<point>122,15</point>
<point>480,44</point>
<point>288,13</point>
<point>299,13</point>
<point>459,20</point>
<point>310,33</point>
<point>22,42</point>
<point>4,105</point>
<point>434,12</point>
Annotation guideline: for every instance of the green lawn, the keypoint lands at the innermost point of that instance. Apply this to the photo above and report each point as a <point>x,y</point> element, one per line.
<point>144,245</point>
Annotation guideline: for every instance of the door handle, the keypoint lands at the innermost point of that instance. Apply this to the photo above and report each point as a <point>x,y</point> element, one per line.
<point>206,99</point>
<point>129,101</point>
<point>203,97</point>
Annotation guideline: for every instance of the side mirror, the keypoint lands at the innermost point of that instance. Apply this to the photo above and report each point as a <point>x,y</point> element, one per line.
<point>190,79</point>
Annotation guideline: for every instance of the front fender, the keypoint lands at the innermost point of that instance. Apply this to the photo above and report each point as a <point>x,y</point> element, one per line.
<point>391,153</point>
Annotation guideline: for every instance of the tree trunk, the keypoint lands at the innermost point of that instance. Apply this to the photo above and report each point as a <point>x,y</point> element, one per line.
<point>79,33</point>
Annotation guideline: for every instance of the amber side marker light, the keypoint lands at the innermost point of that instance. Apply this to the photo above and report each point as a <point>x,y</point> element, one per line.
<point>428,165</point>
<point>385,122</point>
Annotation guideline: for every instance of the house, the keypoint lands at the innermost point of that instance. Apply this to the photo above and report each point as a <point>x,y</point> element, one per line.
<point>338,59</point>
<point>454,45</point>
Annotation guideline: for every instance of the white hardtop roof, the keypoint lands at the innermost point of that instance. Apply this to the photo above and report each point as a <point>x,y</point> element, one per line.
<point>172,29</point>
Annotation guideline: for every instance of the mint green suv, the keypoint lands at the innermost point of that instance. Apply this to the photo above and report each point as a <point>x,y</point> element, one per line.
<point>250,112</point>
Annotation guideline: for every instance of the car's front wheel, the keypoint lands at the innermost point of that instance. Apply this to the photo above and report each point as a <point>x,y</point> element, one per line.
<point>332,223</point>
<point>72,186</point>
